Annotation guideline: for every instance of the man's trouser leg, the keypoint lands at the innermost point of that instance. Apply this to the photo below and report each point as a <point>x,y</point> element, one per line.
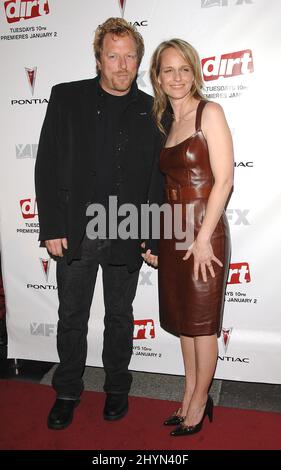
<point>76,284</point>
<point>119,292</point>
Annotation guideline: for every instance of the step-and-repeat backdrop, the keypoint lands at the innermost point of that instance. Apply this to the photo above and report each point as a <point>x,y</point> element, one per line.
<point>44,42</point>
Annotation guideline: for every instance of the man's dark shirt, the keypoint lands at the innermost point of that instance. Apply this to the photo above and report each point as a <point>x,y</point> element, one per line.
<point>111,143</point>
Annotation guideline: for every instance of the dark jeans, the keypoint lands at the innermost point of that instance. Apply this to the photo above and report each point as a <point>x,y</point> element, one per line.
<point>76,282</point>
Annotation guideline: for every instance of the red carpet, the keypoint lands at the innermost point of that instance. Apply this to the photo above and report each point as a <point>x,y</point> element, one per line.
<point>24,407</point>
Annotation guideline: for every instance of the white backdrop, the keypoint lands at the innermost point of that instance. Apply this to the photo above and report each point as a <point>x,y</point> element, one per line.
<point>47,42</point>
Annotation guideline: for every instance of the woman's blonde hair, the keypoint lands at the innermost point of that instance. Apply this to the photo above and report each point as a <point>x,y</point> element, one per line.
<point>191,56</point>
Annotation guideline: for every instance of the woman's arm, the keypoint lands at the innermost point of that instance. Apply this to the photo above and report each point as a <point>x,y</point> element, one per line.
<point>218,136</point>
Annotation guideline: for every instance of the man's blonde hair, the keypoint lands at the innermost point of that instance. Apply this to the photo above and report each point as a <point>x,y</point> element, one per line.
<point>117,27</point>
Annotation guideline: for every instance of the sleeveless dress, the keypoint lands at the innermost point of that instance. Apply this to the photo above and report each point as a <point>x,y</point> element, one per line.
<point>188,307</point>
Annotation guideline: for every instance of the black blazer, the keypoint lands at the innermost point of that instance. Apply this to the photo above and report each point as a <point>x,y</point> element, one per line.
<point>65,168</point>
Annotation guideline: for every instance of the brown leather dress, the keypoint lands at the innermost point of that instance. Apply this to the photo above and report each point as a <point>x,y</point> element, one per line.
<point>189,307</point>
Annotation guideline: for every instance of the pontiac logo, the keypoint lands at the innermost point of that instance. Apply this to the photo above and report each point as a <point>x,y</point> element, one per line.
<point>122,4</point>
<point>226,333</point>
<point>31,77</point>
<point>45,265</point>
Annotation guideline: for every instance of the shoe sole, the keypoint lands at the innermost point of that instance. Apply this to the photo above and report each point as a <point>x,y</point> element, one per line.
<point>116,417</point>
<point>58,427</point>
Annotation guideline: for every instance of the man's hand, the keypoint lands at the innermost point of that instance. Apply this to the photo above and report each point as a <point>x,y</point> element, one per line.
<point>56,246</point>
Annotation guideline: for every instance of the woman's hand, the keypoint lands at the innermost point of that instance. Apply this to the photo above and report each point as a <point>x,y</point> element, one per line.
<point>203,258</point>
<point>149,258</point>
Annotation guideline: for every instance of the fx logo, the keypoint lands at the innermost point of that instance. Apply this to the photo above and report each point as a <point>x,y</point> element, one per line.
<point>222,3</point>
<point>140,79</point>
<point>240,216</point>
<point>145,278</point>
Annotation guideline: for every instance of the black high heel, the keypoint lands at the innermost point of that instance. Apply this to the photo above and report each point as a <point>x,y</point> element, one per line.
<point>183,430</point>
<point>175,419</point>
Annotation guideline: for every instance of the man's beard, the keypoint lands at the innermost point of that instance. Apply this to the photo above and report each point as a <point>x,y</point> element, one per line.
<point>122,84</point>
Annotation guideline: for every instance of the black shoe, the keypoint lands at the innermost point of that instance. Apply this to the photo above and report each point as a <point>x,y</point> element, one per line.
<point>116,406</point>
<point>183,430</point>
<point>175,419</point>
<point>61,413</point>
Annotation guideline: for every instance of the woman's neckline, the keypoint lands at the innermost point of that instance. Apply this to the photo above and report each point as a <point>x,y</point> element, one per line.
<point>183,141</point>
<point>193,134</point>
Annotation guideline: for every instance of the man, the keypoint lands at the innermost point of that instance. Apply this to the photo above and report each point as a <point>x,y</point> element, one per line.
<point>98,140</point>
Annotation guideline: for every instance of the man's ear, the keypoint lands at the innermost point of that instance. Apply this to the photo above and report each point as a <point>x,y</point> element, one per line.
<point>98,65</point>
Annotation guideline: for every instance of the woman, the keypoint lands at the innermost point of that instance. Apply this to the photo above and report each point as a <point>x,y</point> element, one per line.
<point>197,162</point>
